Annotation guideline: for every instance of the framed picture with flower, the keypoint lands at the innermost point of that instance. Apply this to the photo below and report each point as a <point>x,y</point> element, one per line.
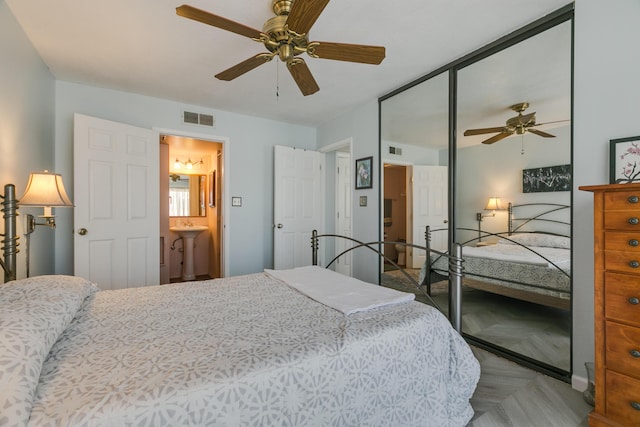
<point>624,160</point>
<point>364,173</point>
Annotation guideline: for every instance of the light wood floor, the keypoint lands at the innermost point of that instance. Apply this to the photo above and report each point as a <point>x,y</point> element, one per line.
<point>538,332</point>
<point>511,395</point>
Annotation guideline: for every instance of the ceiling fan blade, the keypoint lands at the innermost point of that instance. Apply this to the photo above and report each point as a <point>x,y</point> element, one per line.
<point>243,67</point>
<point>470,132</point>
<point>497,137</point>
<point>555,121</point>
<point>304,14</point>
<point>303,77</point>
<point>525,119</point>
<point>541,133</point>
<point>217,21</point>
<point>347,52</point>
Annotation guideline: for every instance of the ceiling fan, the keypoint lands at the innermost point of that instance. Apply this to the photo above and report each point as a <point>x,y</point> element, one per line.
<point>519,125</point>
<point>286,35</point>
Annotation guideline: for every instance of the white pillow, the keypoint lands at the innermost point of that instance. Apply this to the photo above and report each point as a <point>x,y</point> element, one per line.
<point>538,239</point>
<point>33,314</point>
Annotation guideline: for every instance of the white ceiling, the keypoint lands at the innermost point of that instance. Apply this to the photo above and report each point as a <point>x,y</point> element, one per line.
<point>142,46</point>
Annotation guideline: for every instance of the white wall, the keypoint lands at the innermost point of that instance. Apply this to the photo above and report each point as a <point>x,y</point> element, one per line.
<point>360,124</point>
<point>26,131</point>
<point>411,154</point>
<point>249,172</point>
<point>607,90</point>
<point>496,170</point>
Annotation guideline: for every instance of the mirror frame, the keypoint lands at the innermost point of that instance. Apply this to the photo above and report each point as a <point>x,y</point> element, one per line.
<point>562,15</point>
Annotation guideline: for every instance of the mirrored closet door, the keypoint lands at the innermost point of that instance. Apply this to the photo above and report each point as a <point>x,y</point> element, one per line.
<point>513,197</point>
<point>505,157</point>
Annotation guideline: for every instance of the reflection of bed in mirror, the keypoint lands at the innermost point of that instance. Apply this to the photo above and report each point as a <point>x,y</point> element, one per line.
<point>530,262</point>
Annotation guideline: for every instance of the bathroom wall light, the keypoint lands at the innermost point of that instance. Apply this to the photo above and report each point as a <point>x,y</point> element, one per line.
<point>188,164</point>
<point>45,190</point>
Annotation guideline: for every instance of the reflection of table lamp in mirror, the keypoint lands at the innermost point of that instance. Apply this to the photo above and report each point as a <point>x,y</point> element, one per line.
<point>44,190</point>
<point>493,205</point>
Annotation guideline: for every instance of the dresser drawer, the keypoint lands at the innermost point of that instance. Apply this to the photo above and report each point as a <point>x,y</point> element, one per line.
<point>623,349</point>
<point>626,261</point>
<point>622,298</point>
<point>621,200</point>
<point>622,220</point>
<point>622,399</point>
<point>622,241</point>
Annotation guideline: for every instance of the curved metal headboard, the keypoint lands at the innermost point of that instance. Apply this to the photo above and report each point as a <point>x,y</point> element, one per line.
<point>540,215</point>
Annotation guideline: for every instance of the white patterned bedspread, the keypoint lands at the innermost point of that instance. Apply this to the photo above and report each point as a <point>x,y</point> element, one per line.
<point>251,351</point>
<point>504,263</point>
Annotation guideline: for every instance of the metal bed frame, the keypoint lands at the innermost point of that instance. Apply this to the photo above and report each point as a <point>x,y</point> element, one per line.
<point>454,278</point>
<point>10,239</point>
<point>514,225</point>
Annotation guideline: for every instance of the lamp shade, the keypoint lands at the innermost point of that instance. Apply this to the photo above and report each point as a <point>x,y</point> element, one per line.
<point>45,189</point>
<point>494,204</point>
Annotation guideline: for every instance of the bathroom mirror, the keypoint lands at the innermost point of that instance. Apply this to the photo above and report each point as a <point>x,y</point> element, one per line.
<point>187,195</point>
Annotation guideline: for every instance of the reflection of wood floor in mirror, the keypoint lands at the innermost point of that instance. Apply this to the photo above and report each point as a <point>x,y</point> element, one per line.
<point>509,394</point>
<point>539,332</point>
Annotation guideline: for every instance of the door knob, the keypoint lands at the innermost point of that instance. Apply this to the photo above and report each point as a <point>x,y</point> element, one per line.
<point>446,221</point>
<point>82,231</point>
<point>279,225</point>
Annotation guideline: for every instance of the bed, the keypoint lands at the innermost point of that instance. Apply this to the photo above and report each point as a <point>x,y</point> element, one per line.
<point>525,262</point>
<point>252,350</point>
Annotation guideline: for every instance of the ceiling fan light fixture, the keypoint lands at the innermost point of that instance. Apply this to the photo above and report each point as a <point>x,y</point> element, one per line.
<point>286,35</point>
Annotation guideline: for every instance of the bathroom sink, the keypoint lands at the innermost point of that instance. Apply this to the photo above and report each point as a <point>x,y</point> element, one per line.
<point>188,234</point>
<point>188,230</point>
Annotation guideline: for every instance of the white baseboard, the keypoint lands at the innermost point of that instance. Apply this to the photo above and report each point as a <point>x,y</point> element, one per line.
<point>579,383</point>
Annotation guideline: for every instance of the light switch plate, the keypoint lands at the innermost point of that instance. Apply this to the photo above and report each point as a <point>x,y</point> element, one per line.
<point>236,201</point>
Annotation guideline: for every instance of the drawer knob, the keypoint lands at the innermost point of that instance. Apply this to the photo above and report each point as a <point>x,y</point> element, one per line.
<point>635,405</point>
<point>634,301</point>
<point>633,221</point>
<point>633,242</point>
<point>634,264</point>
<point>633,199</point>
<point>635,353</point>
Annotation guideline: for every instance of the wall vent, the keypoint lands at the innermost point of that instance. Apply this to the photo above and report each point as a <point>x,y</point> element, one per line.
<point>198,119</point>
<point>395,150</point>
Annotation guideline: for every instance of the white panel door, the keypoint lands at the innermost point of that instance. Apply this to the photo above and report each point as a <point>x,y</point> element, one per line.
<point>298,205</point>
<point>117,203</point>
<point>430,207</point>
<point>343,211</point>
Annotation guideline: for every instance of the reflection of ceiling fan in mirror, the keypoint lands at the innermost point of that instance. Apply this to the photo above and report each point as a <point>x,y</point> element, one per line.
<point>286,35</point>
<point>518,125</point>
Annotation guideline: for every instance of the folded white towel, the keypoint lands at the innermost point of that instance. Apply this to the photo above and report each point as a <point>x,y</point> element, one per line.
<point>343,293</point>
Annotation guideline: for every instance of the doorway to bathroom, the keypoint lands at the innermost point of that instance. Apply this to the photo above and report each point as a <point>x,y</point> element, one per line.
<point>414,197</point>
<point>395,214</point>
<point>191,208</point>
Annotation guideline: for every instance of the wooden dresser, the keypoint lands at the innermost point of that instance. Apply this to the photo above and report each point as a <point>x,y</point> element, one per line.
<point>617,304</point>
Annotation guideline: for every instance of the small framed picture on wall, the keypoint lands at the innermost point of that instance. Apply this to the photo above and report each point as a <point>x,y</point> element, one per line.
<point>624,160</point>
<point>364,173</point>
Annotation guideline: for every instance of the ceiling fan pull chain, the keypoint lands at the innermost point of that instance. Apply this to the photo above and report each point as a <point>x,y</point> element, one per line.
<point>277,80</point>
<point>522,144</point>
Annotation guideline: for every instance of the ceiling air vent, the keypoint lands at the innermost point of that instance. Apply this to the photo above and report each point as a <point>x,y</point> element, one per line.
<point>198,119</point>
